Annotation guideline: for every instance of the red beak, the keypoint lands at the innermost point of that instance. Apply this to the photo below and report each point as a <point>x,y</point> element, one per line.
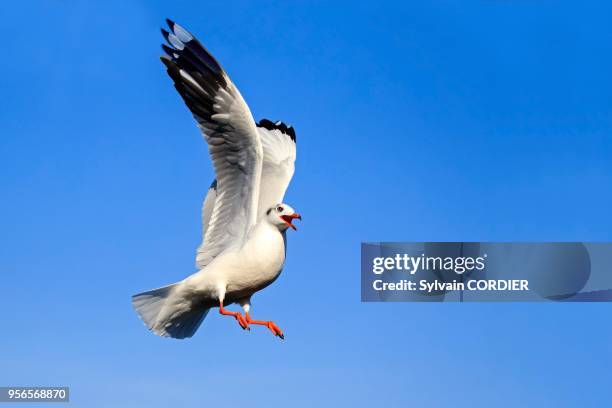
<point>289,218</point>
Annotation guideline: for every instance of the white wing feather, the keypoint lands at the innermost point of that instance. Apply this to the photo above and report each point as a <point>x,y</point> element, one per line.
<point>236,153</point>
<point>278,167</point>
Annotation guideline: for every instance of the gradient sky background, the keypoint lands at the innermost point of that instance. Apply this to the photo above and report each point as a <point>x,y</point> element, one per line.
<point>451,120</point>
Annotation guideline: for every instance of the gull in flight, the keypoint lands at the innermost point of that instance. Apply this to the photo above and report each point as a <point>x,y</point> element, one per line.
<point>244,220</point>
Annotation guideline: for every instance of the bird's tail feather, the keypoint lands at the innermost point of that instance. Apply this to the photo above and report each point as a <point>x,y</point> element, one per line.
<point>166,316</point>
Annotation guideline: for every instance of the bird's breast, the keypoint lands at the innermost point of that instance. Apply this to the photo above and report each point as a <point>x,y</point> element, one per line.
<point>260,261</point>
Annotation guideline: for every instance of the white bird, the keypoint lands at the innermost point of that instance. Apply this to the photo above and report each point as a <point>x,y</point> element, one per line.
<point>243,218</point>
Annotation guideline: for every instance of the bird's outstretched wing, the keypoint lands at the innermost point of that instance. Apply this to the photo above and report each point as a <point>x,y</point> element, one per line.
<point>279,148</point>
<point>233,140</point>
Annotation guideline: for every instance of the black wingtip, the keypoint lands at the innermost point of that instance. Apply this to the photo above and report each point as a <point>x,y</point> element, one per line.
<point>170,24</point>
<point>291,132</point>
<point>169,51</point>
<point>165,33</point>
<point>166,61</point>
<point>287,130</point>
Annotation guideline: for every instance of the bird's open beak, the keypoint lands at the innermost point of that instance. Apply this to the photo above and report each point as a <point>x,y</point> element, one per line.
<point>289,218</point>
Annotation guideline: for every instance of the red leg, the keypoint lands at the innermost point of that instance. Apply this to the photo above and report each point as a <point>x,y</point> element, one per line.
<point>241,320</point>
<point>269,324</point>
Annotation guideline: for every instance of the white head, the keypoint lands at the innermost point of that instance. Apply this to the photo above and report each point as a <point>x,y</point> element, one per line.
<point>281,216</point>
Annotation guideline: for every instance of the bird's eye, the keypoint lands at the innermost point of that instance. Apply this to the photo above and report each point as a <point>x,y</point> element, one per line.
<point>280,209</point>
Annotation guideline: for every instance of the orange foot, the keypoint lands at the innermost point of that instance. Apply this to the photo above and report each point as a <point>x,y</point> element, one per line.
<point>269,324</point>
<point>241,320</point>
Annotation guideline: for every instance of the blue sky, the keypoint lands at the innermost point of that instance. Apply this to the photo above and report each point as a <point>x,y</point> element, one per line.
<point>450,120</point>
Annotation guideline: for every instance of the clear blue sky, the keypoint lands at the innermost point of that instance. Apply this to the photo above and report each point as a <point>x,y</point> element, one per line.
<point>450,120</point>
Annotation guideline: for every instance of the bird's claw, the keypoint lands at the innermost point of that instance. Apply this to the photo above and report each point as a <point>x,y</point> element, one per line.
<point>242,322</point>
<point>275,330</point>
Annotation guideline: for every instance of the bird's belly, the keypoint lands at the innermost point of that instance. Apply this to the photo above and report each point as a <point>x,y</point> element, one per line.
<point>256,279</point>
<point>260,262</point>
